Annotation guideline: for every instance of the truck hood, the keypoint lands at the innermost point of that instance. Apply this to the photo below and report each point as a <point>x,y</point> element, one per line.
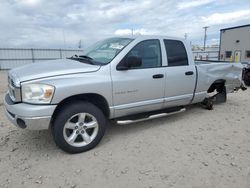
<point>51,68</point>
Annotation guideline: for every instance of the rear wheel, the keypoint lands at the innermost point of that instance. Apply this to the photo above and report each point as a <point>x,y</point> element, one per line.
<point>79,127</point>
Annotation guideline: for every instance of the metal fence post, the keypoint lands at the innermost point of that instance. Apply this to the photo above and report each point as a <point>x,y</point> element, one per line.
<point>32,55</point>
<point>60,50</point>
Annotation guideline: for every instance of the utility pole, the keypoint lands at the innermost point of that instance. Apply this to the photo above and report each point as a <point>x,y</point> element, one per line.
<point>186,36</point>
<point>64,40</point>
<point>80,44</point>
<point>205,36</point>
<point>132,31</point>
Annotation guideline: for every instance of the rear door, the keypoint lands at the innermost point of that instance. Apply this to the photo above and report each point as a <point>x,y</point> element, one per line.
<point>140,89</point>
<point>180,76</point>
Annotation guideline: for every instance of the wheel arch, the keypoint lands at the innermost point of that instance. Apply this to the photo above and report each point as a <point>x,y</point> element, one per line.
<point>93,98</point>
<point>217,85</point>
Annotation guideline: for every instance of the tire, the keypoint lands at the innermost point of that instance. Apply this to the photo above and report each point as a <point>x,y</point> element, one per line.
<point>208,104</point>
<point>247,81</point>
<point>78,127</point>
<point>222,96</point>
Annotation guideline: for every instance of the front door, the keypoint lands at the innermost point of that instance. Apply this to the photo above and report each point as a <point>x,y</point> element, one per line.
<point>140,89</point>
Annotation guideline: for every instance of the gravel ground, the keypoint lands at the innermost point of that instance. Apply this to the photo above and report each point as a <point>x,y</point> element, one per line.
<point>197,148</point>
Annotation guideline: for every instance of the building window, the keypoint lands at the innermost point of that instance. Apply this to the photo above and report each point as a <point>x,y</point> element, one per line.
<point>248,54</point>
<point>228,54</point>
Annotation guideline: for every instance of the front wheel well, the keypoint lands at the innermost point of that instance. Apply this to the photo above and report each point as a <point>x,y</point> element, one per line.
<point>217,85</point>
<point>93,98</point>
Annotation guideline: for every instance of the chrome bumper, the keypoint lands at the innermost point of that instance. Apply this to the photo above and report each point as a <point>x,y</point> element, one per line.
<point>28,116</point>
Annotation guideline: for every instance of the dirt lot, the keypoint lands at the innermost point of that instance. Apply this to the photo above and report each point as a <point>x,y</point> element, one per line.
<point>197,148</point>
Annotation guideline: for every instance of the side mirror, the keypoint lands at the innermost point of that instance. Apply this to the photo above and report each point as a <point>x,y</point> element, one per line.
<point>128,62</point>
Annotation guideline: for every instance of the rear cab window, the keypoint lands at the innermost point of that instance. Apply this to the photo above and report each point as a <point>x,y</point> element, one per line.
<point>176,53</point>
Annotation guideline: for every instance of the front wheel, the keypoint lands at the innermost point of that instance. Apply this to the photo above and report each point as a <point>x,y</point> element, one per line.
<point>79,127</point>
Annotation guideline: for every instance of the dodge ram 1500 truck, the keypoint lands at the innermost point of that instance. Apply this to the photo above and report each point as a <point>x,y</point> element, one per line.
<point>123,78</point>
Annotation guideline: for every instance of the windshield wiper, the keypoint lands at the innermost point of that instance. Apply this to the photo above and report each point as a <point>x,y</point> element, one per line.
<point>85,56</point>
<point>84,59</point>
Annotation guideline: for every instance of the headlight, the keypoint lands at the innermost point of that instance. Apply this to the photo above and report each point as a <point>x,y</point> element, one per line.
<point>37,93</point>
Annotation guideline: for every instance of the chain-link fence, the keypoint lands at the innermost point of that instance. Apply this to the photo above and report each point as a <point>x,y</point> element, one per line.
<point>14,57</point>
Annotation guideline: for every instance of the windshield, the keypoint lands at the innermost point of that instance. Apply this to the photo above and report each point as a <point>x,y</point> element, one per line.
<point>106,50</point>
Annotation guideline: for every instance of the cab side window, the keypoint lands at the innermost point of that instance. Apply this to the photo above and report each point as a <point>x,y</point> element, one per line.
<point>176,52</point>
<point>150,53</point>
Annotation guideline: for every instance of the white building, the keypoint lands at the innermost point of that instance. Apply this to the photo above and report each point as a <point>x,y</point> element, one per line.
<point>235,44</point>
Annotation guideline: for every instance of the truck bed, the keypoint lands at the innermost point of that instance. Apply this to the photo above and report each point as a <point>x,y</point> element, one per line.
<point>209,72</point>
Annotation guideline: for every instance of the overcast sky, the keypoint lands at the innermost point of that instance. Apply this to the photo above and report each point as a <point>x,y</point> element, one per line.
<point>62,23</point>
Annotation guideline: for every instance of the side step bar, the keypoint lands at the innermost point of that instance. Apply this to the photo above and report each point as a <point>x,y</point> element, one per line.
<point>124,122</point>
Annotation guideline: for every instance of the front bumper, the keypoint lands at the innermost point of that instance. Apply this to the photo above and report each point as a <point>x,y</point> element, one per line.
<point>28,116</point>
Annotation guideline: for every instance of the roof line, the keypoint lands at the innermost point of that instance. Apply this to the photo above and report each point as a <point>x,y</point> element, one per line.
<point>248,25</point>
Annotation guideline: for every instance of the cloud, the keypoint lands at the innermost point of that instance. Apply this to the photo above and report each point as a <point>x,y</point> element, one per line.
<point>193,3</point>
<point>141,31</point>
<point>229,17</point>
<point>45,23</point>
<point>28,2</point>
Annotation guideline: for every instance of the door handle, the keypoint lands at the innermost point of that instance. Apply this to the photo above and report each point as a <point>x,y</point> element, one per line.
<point>157,76</point>
<point>189,73</point>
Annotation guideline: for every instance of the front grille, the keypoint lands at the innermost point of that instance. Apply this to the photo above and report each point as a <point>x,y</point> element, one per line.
<point>11,89</point>
<point>12,94</point>
<point>12,83</point>
<point>14,91</point>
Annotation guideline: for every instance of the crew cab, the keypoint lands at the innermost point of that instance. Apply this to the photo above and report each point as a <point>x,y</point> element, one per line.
<point>123,78</point>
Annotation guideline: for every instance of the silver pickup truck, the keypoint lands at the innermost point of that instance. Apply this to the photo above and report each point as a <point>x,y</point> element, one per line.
<point>125,79</point>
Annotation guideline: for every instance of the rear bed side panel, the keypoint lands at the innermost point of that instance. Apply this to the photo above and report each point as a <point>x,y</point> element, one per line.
<point>208,73</point>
